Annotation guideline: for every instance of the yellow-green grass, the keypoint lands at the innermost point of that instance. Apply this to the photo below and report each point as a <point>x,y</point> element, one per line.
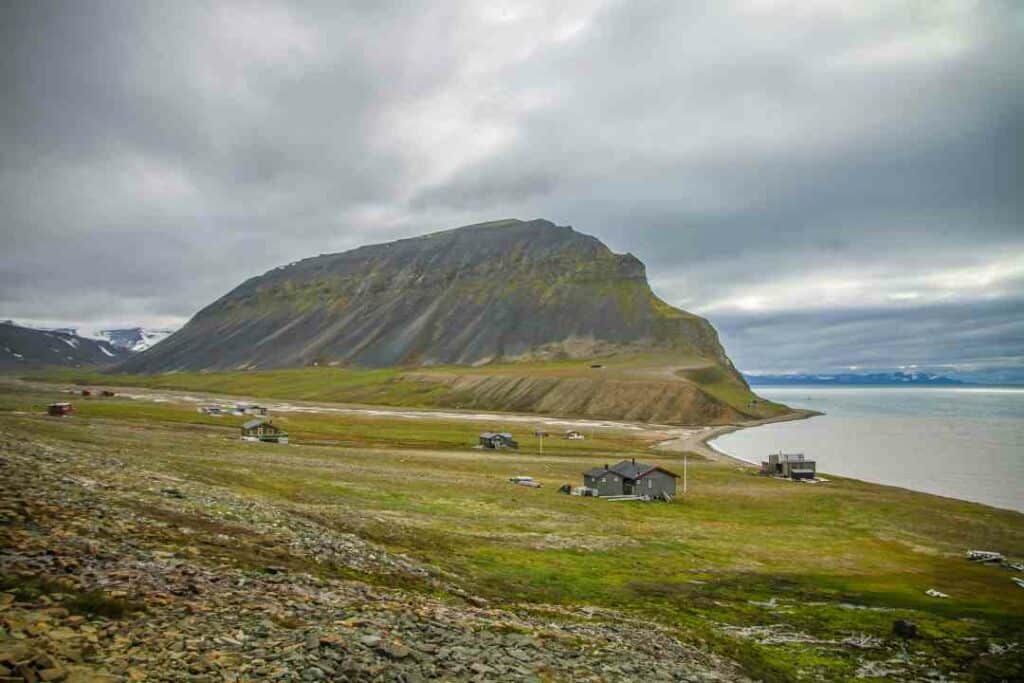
<point>416,387</point>
<point>697,565</point>
<point>346,430</point>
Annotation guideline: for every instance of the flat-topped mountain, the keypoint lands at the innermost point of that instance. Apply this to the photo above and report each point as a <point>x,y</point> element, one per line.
<point>506,290</point>
<point>507,315</point>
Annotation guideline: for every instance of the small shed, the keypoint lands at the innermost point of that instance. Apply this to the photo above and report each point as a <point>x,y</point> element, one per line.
<point>263,430</point>
<point>59,409</point>
<point>789,466</point>
<point>495,440</point>
<point>573,435</point>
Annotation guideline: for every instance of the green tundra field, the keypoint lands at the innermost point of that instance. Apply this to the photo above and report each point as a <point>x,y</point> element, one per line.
<point>792,581</point>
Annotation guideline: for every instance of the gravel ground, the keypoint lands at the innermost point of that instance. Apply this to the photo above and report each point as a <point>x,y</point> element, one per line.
<point>115,573</point>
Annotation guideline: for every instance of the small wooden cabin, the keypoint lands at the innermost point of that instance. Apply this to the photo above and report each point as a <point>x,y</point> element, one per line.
<point>495,440</point>
<point>59,409</point>
<point>263,430</point>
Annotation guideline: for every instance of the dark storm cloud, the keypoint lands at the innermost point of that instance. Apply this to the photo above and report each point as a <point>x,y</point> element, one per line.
<point>806,174</point>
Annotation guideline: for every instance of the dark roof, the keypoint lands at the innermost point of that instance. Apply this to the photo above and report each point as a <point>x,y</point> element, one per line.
<point>251,424</point>
<point>628,469</point>
<point>631,469</point>
<point>491,435</point>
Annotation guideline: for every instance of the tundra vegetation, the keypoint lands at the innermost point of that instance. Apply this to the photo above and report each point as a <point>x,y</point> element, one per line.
<point>654,387</point>
<point>748,576</point>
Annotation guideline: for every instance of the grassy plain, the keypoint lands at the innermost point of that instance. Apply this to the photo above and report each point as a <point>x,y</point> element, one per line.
<point>650,387</point>
<point>795,581</point>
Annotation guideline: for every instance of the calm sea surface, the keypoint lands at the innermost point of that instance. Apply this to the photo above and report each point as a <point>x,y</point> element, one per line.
<point>964,443</point>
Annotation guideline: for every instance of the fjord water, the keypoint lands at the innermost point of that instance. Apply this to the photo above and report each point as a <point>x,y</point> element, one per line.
<point>960,442</point>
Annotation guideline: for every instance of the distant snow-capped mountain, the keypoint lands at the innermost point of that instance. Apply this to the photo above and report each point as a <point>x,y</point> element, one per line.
<point>135,339</point>
<point>25,347</point>
<point>855,379</point>
<point>132,338</point>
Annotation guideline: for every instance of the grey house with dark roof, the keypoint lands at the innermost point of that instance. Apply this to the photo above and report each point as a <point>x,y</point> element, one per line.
<point>631,478</point>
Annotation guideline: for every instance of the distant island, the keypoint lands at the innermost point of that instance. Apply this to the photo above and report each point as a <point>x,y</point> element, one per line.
<point>855,379</point>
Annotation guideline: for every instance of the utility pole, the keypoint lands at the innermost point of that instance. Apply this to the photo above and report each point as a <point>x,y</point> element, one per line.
<point>540,439</point>
<point>684,474</point>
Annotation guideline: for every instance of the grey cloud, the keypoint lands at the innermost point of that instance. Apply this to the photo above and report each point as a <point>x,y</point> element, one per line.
<point>154,155</point>
<point>961,338</point>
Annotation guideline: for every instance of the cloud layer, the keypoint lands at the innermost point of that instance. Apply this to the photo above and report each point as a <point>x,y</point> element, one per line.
<point>832,183</point>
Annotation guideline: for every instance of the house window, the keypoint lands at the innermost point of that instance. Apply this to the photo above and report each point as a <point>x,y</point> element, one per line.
<point>650,483</point>
<point>604,480</point>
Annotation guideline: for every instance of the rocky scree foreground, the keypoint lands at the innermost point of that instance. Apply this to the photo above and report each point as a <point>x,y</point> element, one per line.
<point>111,573</point>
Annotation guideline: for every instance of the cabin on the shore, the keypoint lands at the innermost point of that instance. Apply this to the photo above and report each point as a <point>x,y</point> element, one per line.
<point>263,430</point>
<point>250,409</point>
<point>496,440</point>
<point>789,466</point>
<point>573,435</point>
<point>59,409</point>
<point>631,478</point>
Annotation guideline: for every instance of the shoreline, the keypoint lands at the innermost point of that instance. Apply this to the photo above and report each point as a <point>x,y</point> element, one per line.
<point>679,438</point>
<point>699,442</point>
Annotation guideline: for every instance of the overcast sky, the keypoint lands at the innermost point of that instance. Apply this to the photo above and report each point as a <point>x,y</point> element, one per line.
<point>831,183</point>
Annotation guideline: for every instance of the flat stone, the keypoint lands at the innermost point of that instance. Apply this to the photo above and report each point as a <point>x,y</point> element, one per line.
<point>332,640</point>
<point>313,673</point>
<point>62,634</point>
<point>14,652</point>
<point>395,650</point>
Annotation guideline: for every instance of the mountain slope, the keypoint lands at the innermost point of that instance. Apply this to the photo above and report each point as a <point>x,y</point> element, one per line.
<point>508,290</point>
<point>23,347</point>
<point>507,315</point>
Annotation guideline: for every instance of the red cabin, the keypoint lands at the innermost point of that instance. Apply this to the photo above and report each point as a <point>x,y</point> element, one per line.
<point>60,409</point>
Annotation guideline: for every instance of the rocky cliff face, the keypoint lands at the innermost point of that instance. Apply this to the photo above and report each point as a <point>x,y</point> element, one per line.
<point>506,290</point>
